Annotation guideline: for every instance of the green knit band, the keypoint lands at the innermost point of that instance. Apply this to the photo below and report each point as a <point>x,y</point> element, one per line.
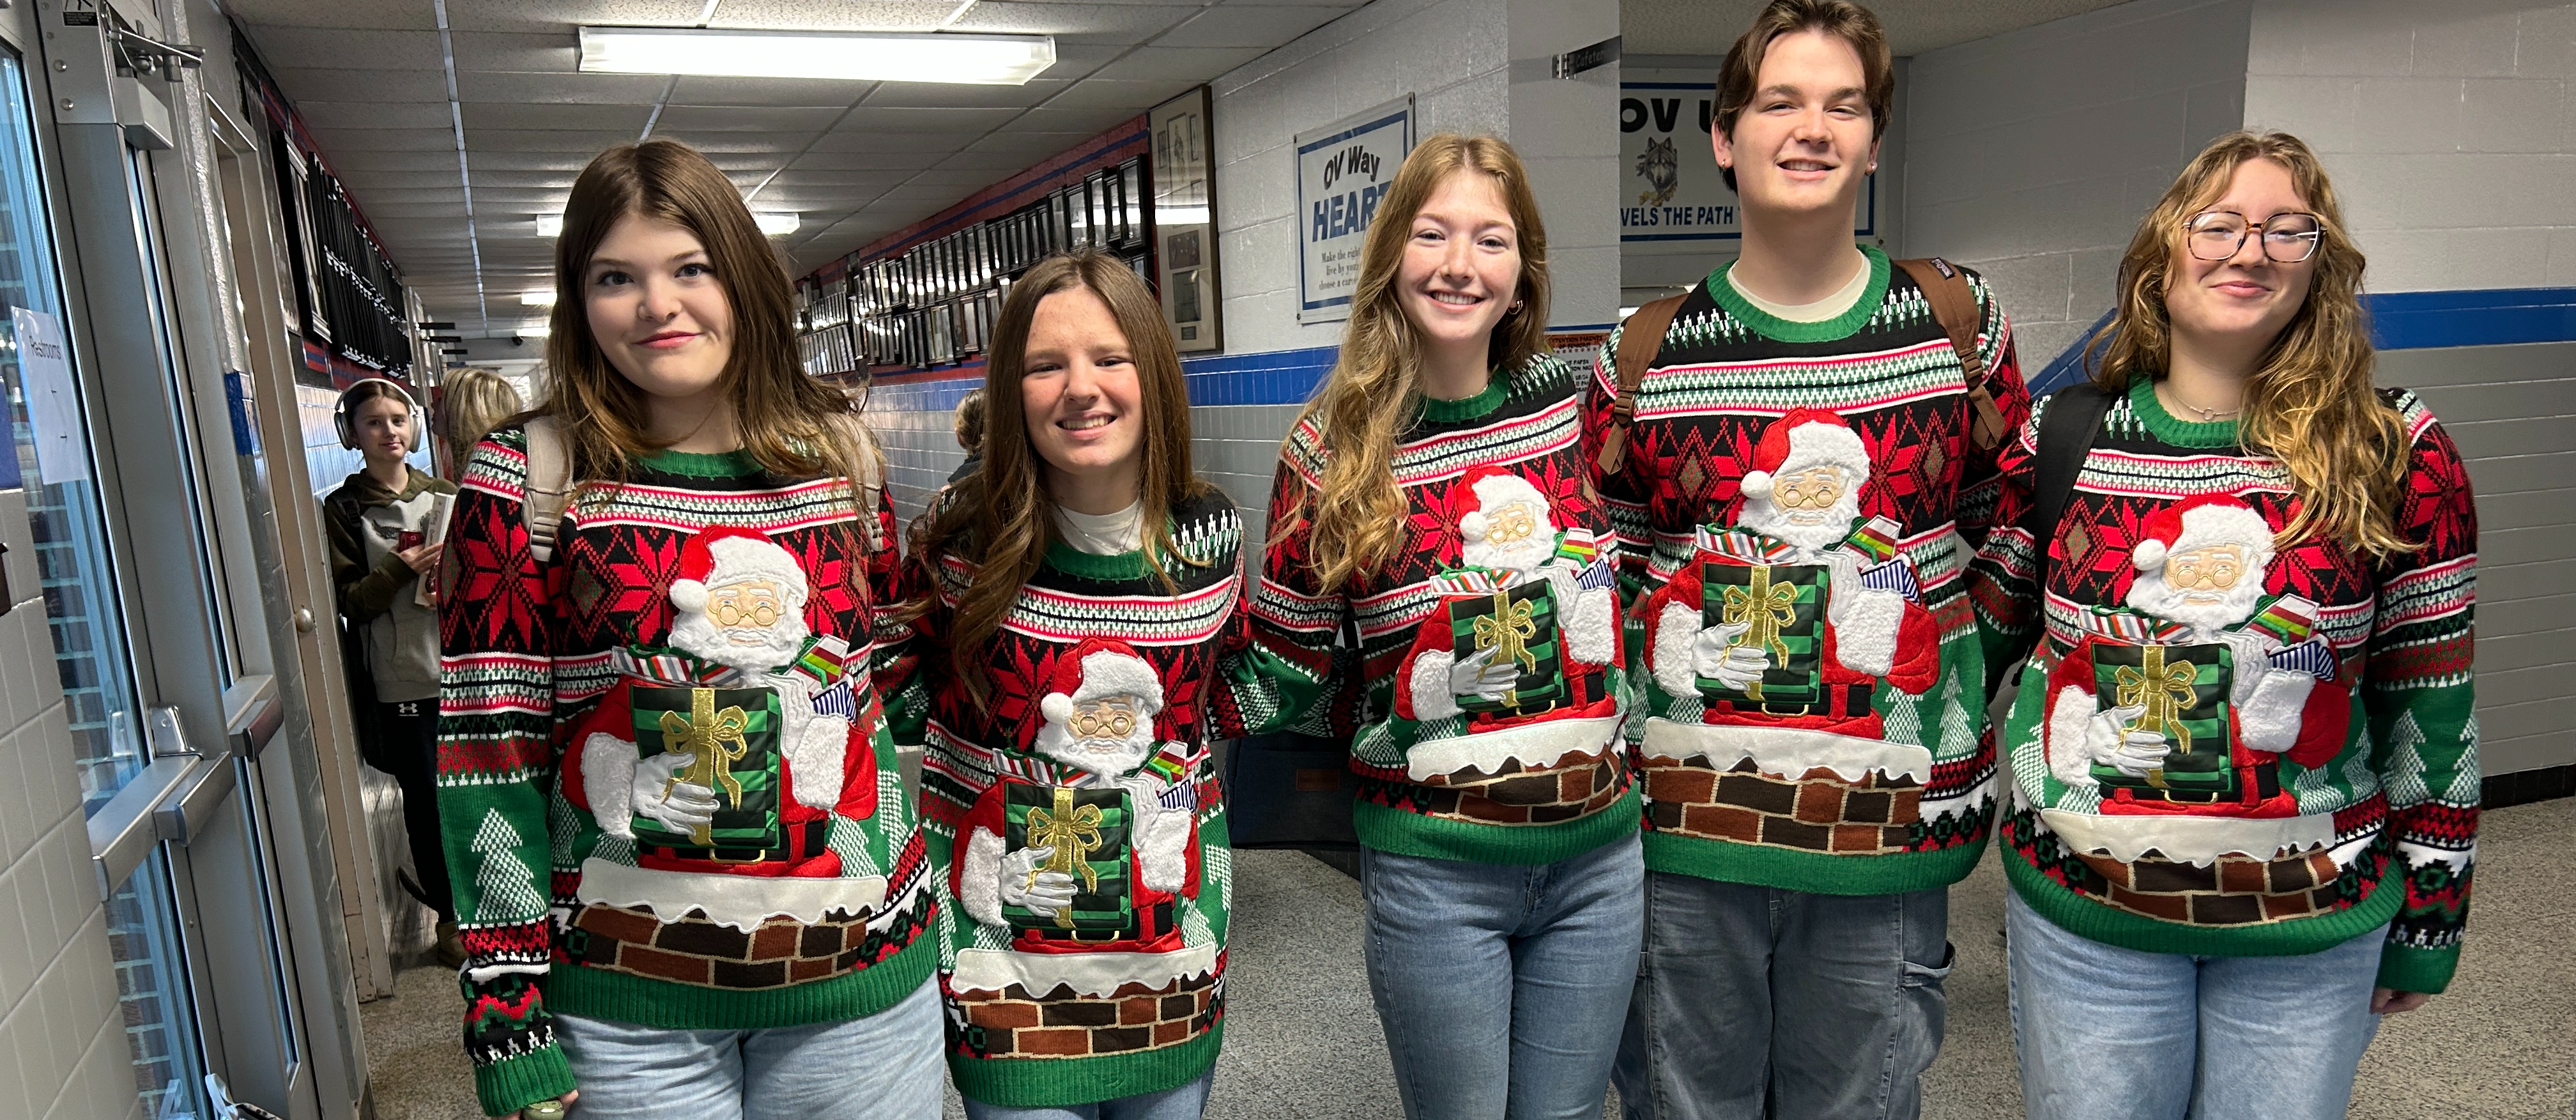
<point>1791,869</point>
<point>599,994</point>
<point>2405,968</point>
<point>1403,833</point>
<point>1774,327</point>
<point>2084,917</point>
<point>511,1084</point>
<point>1066,1082</point>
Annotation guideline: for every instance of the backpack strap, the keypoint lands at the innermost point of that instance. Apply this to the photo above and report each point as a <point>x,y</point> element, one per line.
<point>1954,306</point>
<point>1638,341</point>
<point>548,488</point>
<point>2066,431</point>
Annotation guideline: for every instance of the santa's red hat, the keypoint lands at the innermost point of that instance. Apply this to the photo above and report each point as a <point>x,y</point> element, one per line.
<point>1485,488</point>
<point>1097,669</point>
<point>719,556</point>
<point>2198,523</point>
<point>1806,438</point>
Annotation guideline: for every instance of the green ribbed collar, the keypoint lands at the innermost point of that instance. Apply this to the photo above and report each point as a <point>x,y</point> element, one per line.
<point>1497,386</point>
<point>1072,561</point>
<point>696,464</point>
<point>2168,428</point>
<point>1778,329</point>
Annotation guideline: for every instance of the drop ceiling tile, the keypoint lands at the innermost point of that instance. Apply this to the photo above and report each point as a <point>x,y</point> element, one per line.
<point>945,95</point>
<point>1251,25</point>
<point>418,163</point>
<point>972,179</point>
<point>1161,63</point>
<point>565,89</point>
<point>891,143</point>
<point>746,118</point>
<point>484,159</point>
<point>541,54</point>
<point>876,160</point>
<point>810,177</point>
<point>303,84</point>
<point>998,165</point>
<point>492,116</point>
<point>1028,142</point>
<point>582,144</point>
<point>785,92</point>
<point>1087,121</point>
<point>971,122</point>
<point>326,115</point>
<point>556,181</point>
<point>561,15</point>
<point>1078,59</point>
<point>372,190</point>
<point>452,211</point>
<point>332,13</point>
<point>1129,97</point>
<point>288,47</point>
<point>842,15</point>
<point>913,192</point>
<point>336,140</point>
<point>1122,24</point>
<point>517,198</point>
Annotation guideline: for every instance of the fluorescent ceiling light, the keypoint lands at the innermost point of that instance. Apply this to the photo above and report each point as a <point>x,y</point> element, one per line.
<point>542,297</point>
<point>998,60</point>
<point>549,225</point>
<point>776,223</point>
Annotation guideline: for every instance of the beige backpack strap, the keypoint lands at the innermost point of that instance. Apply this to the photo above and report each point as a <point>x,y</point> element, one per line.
<point>1954,306</point>
<point>548,488</point>
<point>1638,341</point>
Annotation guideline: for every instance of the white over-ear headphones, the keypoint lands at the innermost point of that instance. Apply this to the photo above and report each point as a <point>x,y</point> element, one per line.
<point>347,425</point>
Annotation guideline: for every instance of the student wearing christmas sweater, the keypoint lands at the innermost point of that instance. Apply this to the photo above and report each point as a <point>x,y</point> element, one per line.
<point>1798,485</point>
<point>1071,599</point>
<point>1431,499</point>
<point>2245,795</point>
<point>688,877</point>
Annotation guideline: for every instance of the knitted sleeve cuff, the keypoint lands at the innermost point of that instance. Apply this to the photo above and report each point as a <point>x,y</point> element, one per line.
<point>2405,968</point>
<point>506,1086</point>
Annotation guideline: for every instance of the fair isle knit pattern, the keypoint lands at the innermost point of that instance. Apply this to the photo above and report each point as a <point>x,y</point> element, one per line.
<point>1032,1043</point>
<point>1723,374</point>
<point>2385,828</point>
<point>1530,809</point>
<point>526,648</point>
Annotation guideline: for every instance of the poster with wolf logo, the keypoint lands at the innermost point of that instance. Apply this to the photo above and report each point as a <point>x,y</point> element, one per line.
<point>1669,186</point>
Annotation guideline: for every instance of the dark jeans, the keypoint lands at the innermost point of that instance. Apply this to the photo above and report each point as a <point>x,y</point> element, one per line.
<point>410,741</point>
<point>1756,1001</point>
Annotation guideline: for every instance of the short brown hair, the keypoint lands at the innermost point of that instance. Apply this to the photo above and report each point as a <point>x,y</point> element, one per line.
<point>970,422</point>
<point>1841,19</point>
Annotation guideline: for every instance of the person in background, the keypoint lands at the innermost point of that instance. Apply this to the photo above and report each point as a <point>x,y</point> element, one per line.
<point>689,878</point>
<point>381,523</point>
<point>1799,458</point>
<point>1070,602</point>
<point>970,434</point>
<point>475,401</point>
<point>2245,766</point>
<point>1432,498</point>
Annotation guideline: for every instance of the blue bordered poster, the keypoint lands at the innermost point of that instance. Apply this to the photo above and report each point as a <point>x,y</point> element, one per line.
<point>1343,170</point>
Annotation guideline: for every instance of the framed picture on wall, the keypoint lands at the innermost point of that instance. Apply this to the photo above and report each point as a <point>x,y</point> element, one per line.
<point>1182,188</point>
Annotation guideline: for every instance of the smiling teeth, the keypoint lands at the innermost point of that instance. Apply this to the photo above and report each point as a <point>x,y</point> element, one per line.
<point>1084,423</point>
<point>1459,298</point>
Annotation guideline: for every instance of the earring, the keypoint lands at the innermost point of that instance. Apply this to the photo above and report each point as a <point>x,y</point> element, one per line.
<point>1516,305</point>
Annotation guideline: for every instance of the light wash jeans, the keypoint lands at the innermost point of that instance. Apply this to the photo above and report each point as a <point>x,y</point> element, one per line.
<point>1756,1002</point>
<point>886,1066</point>
<point>1501,985</point>
<point>1181,1102</point>
<point>2107,1031</point>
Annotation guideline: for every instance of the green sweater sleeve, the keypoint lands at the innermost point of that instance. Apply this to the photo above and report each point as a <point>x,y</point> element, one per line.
<point>1290,671</point>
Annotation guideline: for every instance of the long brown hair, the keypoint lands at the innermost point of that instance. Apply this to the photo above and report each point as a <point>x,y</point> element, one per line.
<point>1373,390</point>
<point>2310,404</point>
<point>1001,517</point>
<point>791,423</point>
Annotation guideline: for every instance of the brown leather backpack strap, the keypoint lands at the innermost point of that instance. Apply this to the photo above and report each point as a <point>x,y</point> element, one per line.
<point>1638,341</point>
<point>1954,306</point>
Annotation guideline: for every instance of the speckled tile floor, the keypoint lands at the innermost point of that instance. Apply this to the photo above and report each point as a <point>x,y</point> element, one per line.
<point>1303,1044</point>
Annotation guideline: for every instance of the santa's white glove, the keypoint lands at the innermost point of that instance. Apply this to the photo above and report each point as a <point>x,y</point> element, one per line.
<point>1736,667</point>
<point>1044,891</point>
<point>1865,634</point>
<point>1162,834</point>
<point>2130,752</point>
<point>675,805</point>
<point>1477,675</point>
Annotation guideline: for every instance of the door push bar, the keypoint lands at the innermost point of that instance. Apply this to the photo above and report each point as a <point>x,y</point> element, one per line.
<point>176,797</point>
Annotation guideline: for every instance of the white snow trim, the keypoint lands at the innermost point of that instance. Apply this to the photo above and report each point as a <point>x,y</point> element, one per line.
<point>486,973</point>
<point>1430,686</point>
<point>1675,632</point>
<point>1592,631</point>
<point>2070,715</point>
<point>1787,751</point>
<point>2418,855</point>
<point>608,780</point>
<point>1107,673</point>
<point>2194,840</point>
<point>979,881</point>
<point>1865,636</point>
<point>2269,719</point>
<point>1536,746</point>
<point>1162,835</point>
<point>817,745</point>
<point>1088,974</point>
<point>740,901</point>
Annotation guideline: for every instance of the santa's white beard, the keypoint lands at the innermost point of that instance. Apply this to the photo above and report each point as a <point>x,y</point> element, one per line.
<point>1812,530</point>
<point>2206,612</point>
<point>1520,557</point>
<point>1109,758</point>
<point>758,649</point>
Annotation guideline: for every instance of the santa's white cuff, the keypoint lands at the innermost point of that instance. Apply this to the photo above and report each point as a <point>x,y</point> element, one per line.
<point>1865,636</point>
<point>1592,631</point>
<point>1676,632</point>
<point>2070,753</point>
<point>979,881</point>
<point>608,780</point>
<point>1430,686</point>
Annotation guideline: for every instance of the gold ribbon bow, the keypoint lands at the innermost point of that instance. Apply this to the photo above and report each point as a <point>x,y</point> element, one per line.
<point>1507,632</point>
<point>1762,608</point>
<point>713,741</point>
<point>2162,690</point>
<point>1074,832</point>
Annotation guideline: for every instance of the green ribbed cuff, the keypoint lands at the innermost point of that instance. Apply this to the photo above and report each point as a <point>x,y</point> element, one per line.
<point>511,1084</point>
<point>2405,968</point>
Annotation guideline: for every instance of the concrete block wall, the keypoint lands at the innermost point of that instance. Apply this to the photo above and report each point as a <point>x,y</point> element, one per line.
<point>64,1053</point>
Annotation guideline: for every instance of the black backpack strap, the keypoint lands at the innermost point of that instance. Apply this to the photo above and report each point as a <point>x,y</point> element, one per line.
<point>2067,425</point>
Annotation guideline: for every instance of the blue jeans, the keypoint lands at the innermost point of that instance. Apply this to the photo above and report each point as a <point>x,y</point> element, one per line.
<point>1183,1102</point>
<point>2107,1031</point>
<point>1501,985</point>
<point>887,1065</point>
<point>1754,1002</point>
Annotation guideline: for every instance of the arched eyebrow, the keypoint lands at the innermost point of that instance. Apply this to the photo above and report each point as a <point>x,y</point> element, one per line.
<point>1847,93</point>
<point>675,259</point>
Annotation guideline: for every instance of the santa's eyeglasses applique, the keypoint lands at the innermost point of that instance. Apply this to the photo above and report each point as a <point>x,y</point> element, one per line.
<point>1821,485</point>
<point>1511,523</point>
<point>1103,721</point>
<point>729,609</point>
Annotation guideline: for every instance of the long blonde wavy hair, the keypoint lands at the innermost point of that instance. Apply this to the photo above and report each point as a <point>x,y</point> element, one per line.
<point>1373,390</point>
<point>2310,403</point>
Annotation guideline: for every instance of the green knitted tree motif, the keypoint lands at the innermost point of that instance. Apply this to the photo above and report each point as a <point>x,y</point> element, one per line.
<point>2465,777</point>
<point>1958,737</point>
<point>505,890</point>
<point>1903,719</point>
<point>2405,770</point>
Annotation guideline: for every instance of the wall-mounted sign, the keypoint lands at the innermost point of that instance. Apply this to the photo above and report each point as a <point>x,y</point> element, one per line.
<point>53,402</point>
<point>1670,189</point>
<point>1343,170</point>
<point>1185,221</point>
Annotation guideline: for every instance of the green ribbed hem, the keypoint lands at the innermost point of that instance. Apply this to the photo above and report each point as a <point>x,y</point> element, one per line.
<point>2084,917</point>
<point>1790,869</point>
<point>511,1084</point>
<point>1407,833</point>
<point>600,994</point>
<point>1067,1082</point>
<point>2404,968</point>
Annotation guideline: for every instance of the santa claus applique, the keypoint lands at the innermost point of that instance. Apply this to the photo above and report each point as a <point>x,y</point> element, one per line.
<point>1794,614</point>
<point>724,744</point>
<point>1101,853</point>
<point>2188,695</point>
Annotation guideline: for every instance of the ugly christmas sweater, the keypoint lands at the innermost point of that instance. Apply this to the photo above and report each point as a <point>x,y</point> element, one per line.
<point>1865,774</point>
<point>2335,795</point>
<point>804,899</point>
<point>1076,812</point>
<point>1489,681</point>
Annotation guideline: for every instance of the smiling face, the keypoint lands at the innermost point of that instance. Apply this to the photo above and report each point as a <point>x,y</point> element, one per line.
<point>1084,410</point>
<point>656,310</point>
<point>1805,143</point>
<point>1462,264</point>
<point>383,427</point>
<point>2245,300</point>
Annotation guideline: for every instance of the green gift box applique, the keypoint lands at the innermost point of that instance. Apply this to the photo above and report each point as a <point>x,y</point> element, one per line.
<point>2184,691</point>
<point>1519,625</point>
<point>1783,606</point>
<point>731,738</point>
<point>1089,831</point>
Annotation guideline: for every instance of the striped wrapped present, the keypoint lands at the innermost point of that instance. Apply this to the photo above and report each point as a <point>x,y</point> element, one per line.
<point>1086,833</point>
<point>731,738</point>
<point>2183,691</point>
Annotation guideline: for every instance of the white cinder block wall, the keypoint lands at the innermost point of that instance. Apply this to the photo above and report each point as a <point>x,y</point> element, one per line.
<point>63,1054</point>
